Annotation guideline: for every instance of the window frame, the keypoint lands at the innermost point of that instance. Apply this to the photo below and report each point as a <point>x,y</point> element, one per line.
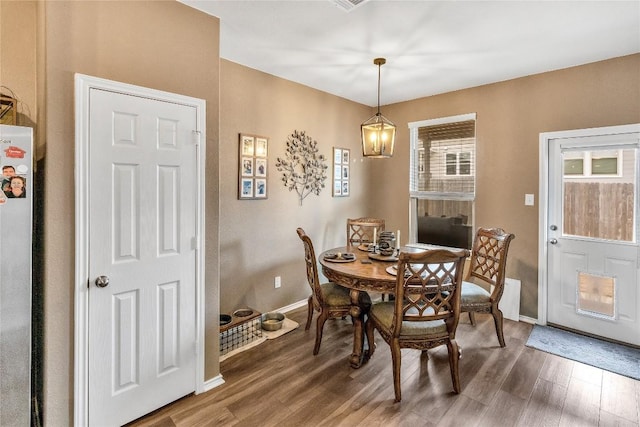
<point>417,154</point>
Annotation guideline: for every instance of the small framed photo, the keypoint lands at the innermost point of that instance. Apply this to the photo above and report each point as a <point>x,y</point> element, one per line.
<point>252,166</point>
<point>341,172</point>
<point>345,157</point>
<point>337,156</point>
<point>246,188</point>
<point>261,147</point>
<point>247,145</point>
<point>247,166</point>
<point>337,171</point>
<point>261,167</point>
<point>337,188</point>
<point>261,188</point>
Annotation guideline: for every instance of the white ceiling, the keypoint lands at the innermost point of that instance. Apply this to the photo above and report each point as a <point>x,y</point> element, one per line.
<point>431,47</point>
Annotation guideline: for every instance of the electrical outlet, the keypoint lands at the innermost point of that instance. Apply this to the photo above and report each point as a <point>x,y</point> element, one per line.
<point>277,282</point>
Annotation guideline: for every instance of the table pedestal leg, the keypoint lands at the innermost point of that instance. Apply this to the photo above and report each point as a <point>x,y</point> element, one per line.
<point>358,330</point>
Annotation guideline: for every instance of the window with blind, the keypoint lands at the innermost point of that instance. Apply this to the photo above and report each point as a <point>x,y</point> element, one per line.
<point>442,180</point>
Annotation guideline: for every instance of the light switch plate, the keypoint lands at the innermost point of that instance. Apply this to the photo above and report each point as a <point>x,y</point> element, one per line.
<point>528,200</point>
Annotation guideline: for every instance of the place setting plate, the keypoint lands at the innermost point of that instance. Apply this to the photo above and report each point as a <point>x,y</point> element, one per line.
<point>366,247</point>
<point>393,270</point>
<point>340,257</point>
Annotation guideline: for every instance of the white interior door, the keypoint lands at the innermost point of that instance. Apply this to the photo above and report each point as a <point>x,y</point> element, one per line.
<point>592,245</point>
<point>141,255</point>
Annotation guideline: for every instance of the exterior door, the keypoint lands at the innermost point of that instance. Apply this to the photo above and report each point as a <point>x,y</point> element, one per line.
<point>141,255</point>
<point>593,257</point>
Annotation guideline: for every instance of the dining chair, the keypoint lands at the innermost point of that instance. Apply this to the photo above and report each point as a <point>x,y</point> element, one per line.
<point>328,299</point>
<point>426,309</point>
<point>360,230</point>
<point>483,286</point>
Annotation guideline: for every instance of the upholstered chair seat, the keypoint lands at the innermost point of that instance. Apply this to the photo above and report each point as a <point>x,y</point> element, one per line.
<point>483,287</point>
<point>335,294</point>
<point>383,313</point>
<point>328,299</point>
<point>475,294</point>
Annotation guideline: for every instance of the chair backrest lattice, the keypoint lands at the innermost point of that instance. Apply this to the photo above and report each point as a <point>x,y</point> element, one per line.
<point>429,289</point>
<point>360,230</point>
<point>489,256</point>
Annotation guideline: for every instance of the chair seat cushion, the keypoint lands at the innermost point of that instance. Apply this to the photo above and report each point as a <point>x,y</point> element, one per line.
<point>474,294</point>
<point>337,296</point>
<point>383,314</point>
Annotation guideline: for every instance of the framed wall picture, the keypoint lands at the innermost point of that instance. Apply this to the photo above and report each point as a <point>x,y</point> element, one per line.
<point>261,146</point>
<point>252,167</point>
<point>337,188</point>
<point>341,172</point>
<point>260,191</point>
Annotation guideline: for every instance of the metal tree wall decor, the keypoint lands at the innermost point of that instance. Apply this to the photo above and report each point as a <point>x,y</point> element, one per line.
<point>303,168</point>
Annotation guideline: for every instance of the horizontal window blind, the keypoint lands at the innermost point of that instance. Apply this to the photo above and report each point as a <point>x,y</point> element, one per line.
<point>444,161</point>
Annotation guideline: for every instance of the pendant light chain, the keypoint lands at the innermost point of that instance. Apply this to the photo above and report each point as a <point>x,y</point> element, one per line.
<point>379,66</point>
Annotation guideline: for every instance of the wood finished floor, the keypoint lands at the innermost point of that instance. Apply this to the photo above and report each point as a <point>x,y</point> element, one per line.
<point>280,383</point>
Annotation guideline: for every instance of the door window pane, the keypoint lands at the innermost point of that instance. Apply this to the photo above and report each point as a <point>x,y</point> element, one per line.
<point>574,167</point>
<point>600,205</point>
<point>604,166</point>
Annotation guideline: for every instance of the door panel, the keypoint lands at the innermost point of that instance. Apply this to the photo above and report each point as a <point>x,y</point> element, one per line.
<point>142,227</point>
<point>593,252</point>
<point>125,316</point>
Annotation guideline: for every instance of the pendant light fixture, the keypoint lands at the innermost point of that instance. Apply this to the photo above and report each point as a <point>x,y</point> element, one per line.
<point>378,133</point>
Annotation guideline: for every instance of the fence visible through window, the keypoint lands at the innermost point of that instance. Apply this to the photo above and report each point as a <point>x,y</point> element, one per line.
<point>599,194</point>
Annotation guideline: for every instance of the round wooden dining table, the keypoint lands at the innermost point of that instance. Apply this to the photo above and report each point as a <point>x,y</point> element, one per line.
<point>362,274</point>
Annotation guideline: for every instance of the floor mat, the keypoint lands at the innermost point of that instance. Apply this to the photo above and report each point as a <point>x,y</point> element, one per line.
<point>612,357</point>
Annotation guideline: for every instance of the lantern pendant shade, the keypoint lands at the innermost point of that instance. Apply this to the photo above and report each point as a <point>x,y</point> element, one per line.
<point>378,133</point>
<point>378,137</point>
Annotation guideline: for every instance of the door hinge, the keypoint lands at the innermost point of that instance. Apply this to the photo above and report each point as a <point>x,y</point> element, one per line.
<point>196,136</point>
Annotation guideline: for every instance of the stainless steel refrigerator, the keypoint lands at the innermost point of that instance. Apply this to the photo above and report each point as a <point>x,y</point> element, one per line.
<point>16,200</point>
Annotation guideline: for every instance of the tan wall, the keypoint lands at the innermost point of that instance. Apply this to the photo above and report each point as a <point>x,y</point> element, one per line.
<point>510,117</point>
<point>258,240</point>
<point>18,40</point>
<point>161,45</point>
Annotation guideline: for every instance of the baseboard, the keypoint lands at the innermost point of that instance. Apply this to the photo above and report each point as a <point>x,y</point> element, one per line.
<point>212,383</point>
<point>293,306</point>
